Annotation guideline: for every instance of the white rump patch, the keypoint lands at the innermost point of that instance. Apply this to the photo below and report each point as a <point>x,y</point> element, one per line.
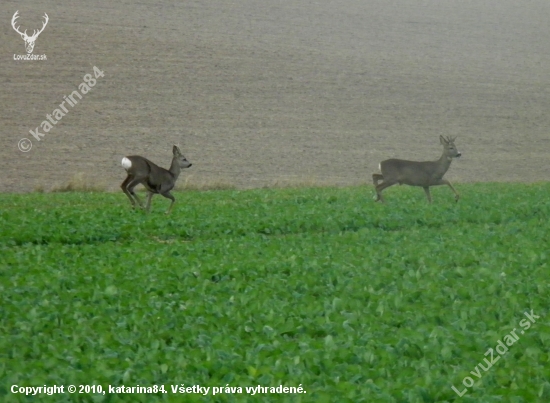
<point>126,163</point>
<point>380,167</point>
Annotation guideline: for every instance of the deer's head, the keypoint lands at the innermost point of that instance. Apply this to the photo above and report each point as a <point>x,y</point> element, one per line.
<point>449,147</point>
<point>29,40</point>
<point>181,160</point>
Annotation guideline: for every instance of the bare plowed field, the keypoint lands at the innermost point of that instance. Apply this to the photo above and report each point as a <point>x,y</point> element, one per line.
<point>288,92</point>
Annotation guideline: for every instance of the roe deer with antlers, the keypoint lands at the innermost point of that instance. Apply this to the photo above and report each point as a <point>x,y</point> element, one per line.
<point>156,180</point>
<point>417,173</point>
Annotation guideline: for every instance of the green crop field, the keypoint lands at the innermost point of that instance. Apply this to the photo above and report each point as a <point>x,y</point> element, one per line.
<point>318,289</point>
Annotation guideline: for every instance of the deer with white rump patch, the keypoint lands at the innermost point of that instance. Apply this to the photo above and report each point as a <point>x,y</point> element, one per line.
<point>417,173</point>
<point>156,180</point>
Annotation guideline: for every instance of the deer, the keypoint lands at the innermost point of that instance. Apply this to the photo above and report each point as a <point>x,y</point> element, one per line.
<point>156,180</point>
<point>417,173</point>
<point>29,40</point>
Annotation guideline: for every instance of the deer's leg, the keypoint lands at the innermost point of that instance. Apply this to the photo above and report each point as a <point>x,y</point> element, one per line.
<point>376,178</point>
<point>149,197</point>
<point>130,188</point>
<point>428,195</point>
<point>381,187</point>
<point>446,182</point>
<point>124,187</point>
<point>168,195</point>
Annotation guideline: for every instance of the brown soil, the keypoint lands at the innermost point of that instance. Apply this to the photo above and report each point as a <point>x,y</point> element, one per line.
<point>263,92</point>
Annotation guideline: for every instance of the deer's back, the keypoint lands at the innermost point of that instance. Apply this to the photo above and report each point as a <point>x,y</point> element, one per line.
<point>414,173</point>
<point>141,166</point>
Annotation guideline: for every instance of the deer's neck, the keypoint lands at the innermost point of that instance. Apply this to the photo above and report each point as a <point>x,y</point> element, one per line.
<point>175,169</point>
<point>443,164</point>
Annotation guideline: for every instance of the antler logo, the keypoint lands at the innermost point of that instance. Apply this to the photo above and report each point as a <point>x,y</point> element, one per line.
<point>29,40</point>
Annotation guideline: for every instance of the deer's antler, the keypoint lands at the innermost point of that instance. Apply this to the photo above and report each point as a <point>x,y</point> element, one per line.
<point>13,20</point>
<point>24,34</point>
<point>46,19</point>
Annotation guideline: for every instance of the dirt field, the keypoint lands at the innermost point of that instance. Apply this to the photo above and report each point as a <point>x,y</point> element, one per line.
<point>261,92</point>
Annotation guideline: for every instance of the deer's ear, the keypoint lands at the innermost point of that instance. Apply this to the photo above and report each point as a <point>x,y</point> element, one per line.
<point>176,150</point>
<point>442,140</point>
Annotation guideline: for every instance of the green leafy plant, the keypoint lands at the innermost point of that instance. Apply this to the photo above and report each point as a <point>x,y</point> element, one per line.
<point>319,287</point>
